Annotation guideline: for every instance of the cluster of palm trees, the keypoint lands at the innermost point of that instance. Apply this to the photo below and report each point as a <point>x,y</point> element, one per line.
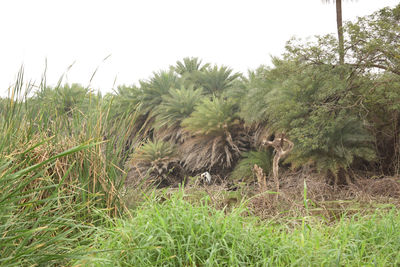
<point>196,117</point>
<point>187,119</point>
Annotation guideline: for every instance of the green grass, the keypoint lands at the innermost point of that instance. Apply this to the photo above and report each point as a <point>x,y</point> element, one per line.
<point>176,233</point>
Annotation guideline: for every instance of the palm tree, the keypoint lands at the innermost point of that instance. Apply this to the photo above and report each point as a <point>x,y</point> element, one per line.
<point>139,104</point>
<point>216,136</point>
<point>189,65</point>
<point>64,99</point>
<point>157,86</point>
<point>216,80</point>
<point>175,107</point>
<point>339,23</point>
<point>190,70</point>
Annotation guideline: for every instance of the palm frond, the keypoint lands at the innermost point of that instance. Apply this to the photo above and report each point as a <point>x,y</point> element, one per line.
<point>156,87</point>
<point>175,107</point>
<point>190,65</point>
<point>215,80</point>
<point>212,117</point>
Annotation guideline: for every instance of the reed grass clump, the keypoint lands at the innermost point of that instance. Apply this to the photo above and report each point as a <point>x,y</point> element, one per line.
<point>41,221</point>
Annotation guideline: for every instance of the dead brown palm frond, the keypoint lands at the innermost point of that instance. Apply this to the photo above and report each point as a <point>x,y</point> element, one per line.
<point>174,134</point>
<point>203,153</point>
<point>259,132</point>
<point>214,152</point>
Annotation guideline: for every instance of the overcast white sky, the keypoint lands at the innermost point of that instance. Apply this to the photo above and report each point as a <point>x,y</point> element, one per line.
<point>149,35</point>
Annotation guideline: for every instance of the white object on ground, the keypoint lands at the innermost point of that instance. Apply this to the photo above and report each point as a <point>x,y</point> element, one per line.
<point>206,176</point>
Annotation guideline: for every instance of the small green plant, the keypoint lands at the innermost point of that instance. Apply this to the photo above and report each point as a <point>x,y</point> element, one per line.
<point>244,168</point>
<point>155,162</point>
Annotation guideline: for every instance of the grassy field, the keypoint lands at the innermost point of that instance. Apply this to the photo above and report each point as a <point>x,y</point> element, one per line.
<point>44,222</point>
<point>45,225</point>
<point>176,233</point>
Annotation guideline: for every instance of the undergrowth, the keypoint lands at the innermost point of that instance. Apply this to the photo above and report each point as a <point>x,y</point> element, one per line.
<point>176,233</point>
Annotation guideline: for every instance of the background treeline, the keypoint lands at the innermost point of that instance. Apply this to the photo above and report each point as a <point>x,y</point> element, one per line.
<point>341,117</point>
<point>197,117</point>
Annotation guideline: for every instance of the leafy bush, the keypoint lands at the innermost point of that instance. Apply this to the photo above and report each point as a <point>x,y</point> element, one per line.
<point>384,113</point>
<point>314,106</point>
<point>374,41</point>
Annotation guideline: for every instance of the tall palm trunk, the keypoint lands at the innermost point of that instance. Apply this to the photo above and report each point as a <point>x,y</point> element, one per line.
<point>340,30</point>
<point>339,23</point>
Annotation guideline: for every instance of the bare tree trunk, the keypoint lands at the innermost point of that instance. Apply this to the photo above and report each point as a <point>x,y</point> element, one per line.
<point>339,22</point>
<point>261,179</point>
<point>275,170</point>
<point>278,144</point>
